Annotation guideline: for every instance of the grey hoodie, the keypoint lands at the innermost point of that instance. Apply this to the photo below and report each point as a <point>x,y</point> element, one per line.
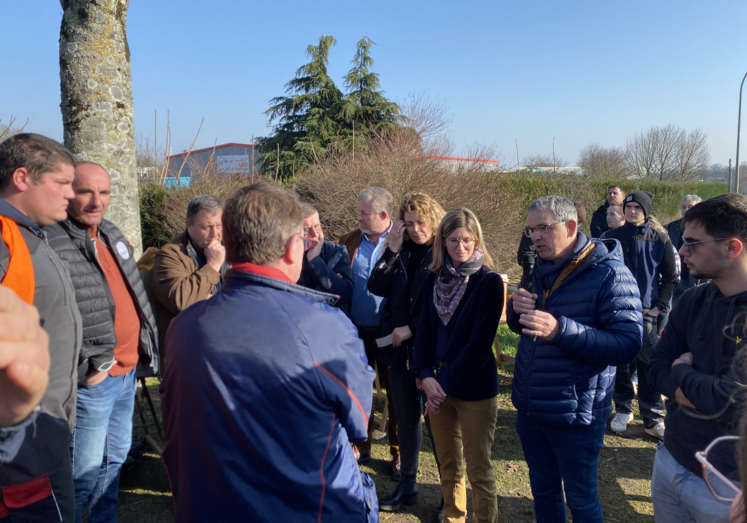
<point>54,296</point>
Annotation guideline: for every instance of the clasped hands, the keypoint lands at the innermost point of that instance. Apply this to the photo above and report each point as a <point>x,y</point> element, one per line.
<point>436,396</point>
<point>537,323</point>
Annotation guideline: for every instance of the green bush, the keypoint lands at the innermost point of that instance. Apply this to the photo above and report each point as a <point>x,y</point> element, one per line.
<point>153,199</point>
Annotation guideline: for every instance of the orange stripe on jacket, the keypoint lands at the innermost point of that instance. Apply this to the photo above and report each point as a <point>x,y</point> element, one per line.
<point>341,384</point>
<point>321,469</point>
<point>20,275</point>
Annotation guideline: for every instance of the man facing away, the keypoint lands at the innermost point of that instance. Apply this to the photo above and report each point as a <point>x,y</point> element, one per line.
<point>581,319</point>
<point>694,366</point>
<point>118,331</point>
<point>675,230</point>
<point>36,174</point>
<point>365,246</point>
<point>615,195</point>
<point>257,365</point>
<point>190,268</point>
<point>649,255</point>
<point>326,265</point>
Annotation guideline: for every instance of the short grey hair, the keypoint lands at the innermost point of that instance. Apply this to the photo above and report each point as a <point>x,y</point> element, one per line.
<point>692,198</point>
<point>307,210</point>
<point>560,207</point>
<point>203,202</point>
<point>381,199</point>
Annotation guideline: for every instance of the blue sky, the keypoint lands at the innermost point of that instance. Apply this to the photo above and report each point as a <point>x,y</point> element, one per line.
<point>579,71</point>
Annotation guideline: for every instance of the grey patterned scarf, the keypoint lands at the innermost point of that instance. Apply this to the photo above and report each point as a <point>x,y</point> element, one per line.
<point>451,284</point>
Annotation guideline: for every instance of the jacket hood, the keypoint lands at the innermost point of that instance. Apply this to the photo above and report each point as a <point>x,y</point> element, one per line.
<point>8,211</point>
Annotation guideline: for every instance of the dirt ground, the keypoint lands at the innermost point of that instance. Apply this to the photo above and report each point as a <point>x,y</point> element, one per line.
<point>624,477</point>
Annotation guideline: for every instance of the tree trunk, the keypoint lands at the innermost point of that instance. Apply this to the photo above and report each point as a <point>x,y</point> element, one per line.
<point>96,104</point>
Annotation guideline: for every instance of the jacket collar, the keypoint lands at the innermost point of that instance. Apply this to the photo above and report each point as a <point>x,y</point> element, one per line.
<point>237,278</point>
<point>263,270</point>
<point>637,229</point>
<point>21,219</point>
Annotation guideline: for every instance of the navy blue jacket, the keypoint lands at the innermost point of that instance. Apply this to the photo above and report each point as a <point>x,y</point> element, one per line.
<point>649,255</point>
<point>472,373</point>
<point>570,380</point>
<point>267,386</point>
<point>330,272</point>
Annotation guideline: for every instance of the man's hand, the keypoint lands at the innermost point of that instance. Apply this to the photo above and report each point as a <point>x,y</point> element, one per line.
<point>24,359</point>
<point>401,334</point>
<point>540,324</point>
<point>653,312</point>
<point>396,236</point>
<point>95,377</point>
<point>215,254</point>
<point>316,248</point>
<point>436,395</point>
<point>523,302</point>
<point>680,398</point>
<point>686,358</point>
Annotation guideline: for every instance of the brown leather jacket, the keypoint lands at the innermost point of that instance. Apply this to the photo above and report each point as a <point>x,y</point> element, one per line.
<point>178,282</point>
<point>351,241</point>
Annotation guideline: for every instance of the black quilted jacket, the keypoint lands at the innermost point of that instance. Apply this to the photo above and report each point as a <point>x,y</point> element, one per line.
<point>73,245</point>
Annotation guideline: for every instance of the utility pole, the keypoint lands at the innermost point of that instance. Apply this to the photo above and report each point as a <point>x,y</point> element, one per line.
<point>739,125</point>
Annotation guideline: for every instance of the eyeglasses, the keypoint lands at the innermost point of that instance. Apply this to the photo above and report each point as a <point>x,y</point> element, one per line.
<point>454,242</point>
<point>307,243</point>
<point>689,245</point>
<point>542,229</point>
<point>308,231</point>
<point>718,482</point>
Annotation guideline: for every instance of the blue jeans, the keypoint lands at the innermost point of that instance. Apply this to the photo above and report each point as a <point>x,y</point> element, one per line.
<point>101,441</point>
<point>562,457</point>
<point>682,497</point>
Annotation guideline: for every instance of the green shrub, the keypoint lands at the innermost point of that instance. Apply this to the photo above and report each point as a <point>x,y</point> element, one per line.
<point>153,199</point>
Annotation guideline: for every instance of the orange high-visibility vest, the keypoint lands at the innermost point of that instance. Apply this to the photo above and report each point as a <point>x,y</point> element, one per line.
<point>20,275</point>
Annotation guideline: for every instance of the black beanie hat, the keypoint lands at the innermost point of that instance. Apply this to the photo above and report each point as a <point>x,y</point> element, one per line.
<point>642,198</point>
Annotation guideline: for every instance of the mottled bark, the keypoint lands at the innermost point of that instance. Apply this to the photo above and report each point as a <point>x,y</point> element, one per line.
<point>97,101</point>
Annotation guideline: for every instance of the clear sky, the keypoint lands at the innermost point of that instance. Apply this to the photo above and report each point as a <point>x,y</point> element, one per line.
<point>579,71</point>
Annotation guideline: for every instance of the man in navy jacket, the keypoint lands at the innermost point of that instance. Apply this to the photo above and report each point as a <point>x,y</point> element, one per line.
<point>581,319</point>
<point>649,255</point>
<point>259,364</point>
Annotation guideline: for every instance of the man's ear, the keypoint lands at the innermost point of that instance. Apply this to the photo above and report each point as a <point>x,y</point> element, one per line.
<point>384,215</point>
<point>289,256</point>
<point>734,248</point>
<point>572,227</point>
<point>21,179</point>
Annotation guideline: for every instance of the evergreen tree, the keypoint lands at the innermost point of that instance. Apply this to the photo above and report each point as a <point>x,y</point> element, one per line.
<point>305,122</point>
<point>315,117</point>
<point>365,110</point>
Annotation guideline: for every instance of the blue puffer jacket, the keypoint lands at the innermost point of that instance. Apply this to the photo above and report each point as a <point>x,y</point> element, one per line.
<point>266,386</point>
<point>570,380</point>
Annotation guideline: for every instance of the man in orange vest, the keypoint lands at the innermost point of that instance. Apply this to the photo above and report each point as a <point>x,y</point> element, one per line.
<point>36,174</point>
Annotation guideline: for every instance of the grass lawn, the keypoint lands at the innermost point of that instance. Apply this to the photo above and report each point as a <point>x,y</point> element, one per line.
<point>624,473</point>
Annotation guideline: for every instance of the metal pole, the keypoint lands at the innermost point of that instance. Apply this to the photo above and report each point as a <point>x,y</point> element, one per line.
<point>731,178</point>
<point>739,126</point>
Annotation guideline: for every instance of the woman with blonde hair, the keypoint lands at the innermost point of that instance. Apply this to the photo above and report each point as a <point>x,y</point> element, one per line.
<point>456,366</point>
<point>400,276</point>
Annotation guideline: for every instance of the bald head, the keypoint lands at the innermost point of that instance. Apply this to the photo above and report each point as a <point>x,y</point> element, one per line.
<point>92,193</point>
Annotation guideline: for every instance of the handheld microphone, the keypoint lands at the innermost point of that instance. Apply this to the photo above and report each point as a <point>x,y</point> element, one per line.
<point>527,264</point>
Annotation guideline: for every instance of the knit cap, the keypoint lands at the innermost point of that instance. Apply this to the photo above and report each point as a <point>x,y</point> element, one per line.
<point>642,198</point>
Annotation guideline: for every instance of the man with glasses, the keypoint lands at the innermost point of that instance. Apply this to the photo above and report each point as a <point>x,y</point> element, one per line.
<point>693,364</point>
<point>326,265</point>
<point>649,255</point>
<point>581,318</point>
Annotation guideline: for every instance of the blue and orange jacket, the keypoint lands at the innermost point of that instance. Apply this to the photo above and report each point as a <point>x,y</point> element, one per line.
<point>266,386</point>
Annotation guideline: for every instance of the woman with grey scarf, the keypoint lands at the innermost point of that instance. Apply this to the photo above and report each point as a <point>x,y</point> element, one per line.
<point>454,361</point>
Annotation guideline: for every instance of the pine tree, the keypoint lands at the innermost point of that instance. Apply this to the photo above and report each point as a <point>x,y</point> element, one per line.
<point>365,109</point>
<point>305,121</point>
